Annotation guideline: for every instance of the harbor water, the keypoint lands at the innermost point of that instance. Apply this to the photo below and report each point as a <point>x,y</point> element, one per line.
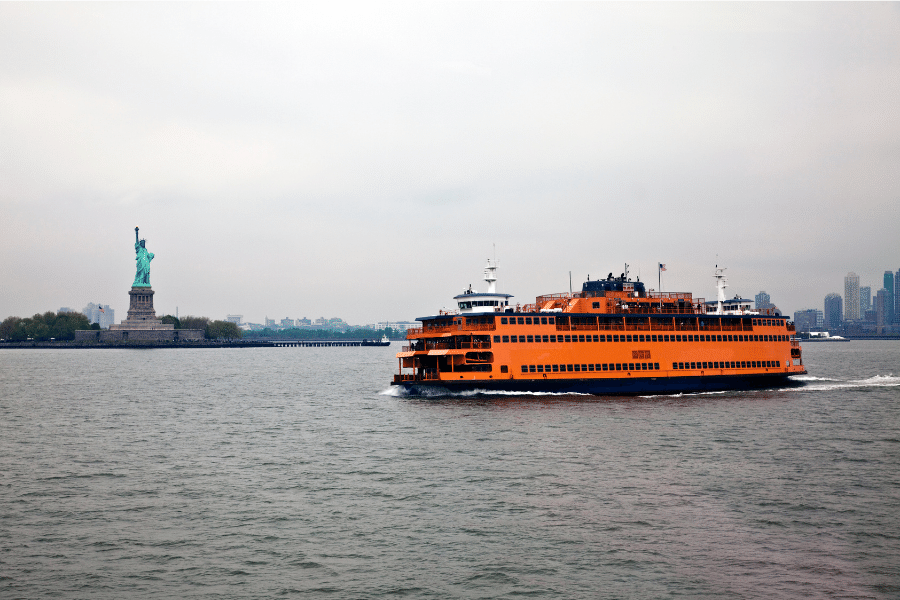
<point>299,472</point>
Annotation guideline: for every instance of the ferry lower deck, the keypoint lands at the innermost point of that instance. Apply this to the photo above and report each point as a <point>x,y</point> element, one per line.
<point>599,354</point>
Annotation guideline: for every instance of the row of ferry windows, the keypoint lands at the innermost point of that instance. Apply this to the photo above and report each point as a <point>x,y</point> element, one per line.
<point>551,320</point>
<point>528,320</point>
<point>768,322</point>
<point>590,367</point>
<point>743,364</point>
<point>675,337</point>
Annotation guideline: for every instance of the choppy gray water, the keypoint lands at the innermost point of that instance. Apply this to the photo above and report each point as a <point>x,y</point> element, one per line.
<point>258,473</point>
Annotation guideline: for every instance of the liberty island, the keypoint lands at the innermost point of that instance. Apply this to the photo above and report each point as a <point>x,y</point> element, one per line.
<point>141,325</point>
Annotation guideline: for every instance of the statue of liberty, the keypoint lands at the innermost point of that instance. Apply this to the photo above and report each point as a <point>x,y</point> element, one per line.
<point>143,258</point>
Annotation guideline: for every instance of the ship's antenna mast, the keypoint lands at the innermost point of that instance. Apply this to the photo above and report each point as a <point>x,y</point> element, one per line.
<point>490,273</point>
<point>626,271</point>
<point>720,288</point>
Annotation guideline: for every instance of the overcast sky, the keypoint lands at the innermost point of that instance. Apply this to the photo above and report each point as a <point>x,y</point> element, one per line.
<point>361,160</point>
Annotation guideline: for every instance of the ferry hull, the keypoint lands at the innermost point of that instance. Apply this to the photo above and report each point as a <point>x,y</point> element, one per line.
<point>626,386</point>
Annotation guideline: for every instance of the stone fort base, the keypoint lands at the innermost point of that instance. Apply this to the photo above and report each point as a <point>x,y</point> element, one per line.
<point>139,335</point>
<point>141,326</point>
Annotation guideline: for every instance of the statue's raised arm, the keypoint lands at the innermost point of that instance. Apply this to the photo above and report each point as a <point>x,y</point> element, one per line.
<point>142,258</point>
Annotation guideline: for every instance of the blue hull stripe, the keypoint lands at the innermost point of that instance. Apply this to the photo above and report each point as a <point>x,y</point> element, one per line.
<point>628,386</point>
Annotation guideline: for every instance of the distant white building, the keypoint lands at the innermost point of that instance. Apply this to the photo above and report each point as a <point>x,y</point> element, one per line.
<point>236,319</point>
<point>100,313</point>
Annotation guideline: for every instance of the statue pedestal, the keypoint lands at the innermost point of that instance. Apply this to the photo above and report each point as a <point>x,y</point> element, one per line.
<point>140,313</point>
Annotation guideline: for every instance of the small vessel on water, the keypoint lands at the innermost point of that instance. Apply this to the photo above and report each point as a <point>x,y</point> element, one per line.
<point>384,342</point>
<point>613,337</point>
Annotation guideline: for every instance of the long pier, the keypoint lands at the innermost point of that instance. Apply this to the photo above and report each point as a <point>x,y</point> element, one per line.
<point>314,343</point>
<point>256,343</point>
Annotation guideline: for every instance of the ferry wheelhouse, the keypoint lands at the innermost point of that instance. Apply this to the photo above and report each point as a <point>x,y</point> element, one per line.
<point>613,337</point>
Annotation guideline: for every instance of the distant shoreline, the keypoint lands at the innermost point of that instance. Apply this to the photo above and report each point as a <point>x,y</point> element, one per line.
<point>277,343</point>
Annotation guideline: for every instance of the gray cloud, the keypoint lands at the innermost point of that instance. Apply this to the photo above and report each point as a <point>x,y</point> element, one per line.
<point>359,160</point>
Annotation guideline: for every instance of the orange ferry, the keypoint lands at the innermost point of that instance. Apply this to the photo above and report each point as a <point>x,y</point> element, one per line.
<point>613,337</point>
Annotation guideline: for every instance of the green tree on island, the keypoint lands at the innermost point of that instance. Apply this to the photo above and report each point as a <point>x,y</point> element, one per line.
<point>43,327</point>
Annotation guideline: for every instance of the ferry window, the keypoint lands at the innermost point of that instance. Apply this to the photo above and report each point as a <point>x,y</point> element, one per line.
<point>545,339</point>
<point>602,338</point>
<point>569,368</point>
<point>530,339</point>
<point>618,366</point>
<point>596,305</point>
<point>605,366</point>
<point>568,338</point>
<point>653,337</point>
<point>551,320</point>
<point>524,368</point>
<point>630,366</point>
<point>528,320</point>
<point>555,368</point>
<point>656,366</point>
<point>616,337</point>
<point>521,320</point>
<point>553,338</point>
<point>577,368</point>
<point>678,338</point>
<point>580,338</point>
<point>590,367</point>
<point>681,365</point>
<point>583,367</point>
<point>704,366</point>
<point>506,338</point>
<point>513,338</point>
<point>674,365</point>
<point>540,368</point>
<point>496,339</point>
<point>531,368</point>
<point>628,338</point>
<point>594,338</point>
<point>503,320</point>
<point>504,369</point>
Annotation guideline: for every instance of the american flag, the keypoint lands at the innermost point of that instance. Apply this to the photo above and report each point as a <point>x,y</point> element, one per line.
<point>662,267</point>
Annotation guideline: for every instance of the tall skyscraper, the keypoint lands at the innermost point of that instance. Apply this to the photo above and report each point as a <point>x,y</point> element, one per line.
<point>881,310</point>
<point>851,297</point>
<point>889,300</point>
<point>763,300</point>
<point>832,313</point>
<point>865,300</point>
<point>897,296</point>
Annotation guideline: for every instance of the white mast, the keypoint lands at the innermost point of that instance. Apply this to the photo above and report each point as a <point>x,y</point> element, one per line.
<point>720,287</point>
<point>490,276</point>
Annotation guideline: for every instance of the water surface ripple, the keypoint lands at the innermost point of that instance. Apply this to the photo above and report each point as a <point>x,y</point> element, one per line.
<point>260,473</point>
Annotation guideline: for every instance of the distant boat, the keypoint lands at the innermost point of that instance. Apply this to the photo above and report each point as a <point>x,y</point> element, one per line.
<point>384,342</point>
